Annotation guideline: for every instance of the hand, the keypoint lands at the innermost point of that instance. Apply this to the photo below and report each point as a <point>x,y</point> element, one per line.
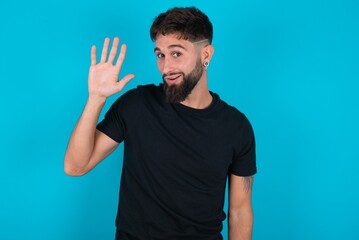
<point>103,76</point>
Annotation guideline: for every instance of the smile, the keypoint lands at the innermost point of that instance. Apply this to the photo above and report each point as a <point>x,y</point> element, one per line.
<point>172,78</point>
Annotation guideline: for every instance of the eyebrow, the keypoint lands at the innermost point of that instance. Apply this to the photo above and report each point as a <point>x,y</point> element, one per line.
<point>171,46</point>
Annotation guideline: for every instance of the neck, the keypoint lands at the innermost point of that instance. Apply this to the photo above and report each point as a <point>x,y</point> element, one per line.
<point>200,97</point>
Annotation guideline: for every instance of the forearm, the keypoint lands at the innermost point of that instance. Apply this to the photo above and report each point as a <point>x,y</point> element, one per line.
<point>240,225</point>
<point>81,143</point>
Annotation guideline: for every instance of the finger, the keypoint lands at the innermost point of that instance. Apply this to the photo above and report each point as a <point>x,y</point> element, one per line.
<point>93,55</point>
<point>123,82</point>
<point>121,57</point>
<point>105,49</point>
<point>113,52</point>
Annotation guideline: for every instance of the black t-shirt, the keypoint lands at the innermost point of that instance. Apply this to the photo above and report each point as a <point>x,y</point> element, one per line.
<point>176,163</point>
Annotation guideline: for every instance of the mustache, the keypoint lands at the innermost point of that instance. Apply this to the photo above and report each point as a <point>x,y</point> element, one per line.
<point>170,74</point>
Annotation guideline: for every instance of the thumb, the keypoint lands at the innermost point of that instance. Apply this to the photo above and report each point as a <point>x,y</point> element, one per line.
<point>123,82</point>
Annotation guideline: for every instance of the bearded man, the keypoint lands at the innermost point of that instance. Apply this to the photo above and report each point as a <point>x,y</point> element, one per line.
<point>181,141</point>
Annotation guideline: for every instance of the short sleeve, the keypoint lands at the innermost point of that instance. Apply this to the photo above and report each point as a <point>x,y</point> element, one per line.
<point>115,122</point>
<point>244,162</point>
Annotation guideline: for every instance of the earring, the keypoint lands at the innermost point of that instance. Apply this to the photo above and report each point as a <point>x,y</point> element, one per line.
<point>205,65</point>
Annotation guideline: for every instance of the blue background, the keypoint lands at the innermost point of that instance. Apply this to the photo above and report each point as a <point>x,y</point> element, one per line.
<point>291,66</point>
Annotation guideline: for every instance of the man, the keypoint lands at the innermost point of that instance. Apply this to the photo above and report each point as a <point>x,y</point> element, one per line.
<point>181,141</point>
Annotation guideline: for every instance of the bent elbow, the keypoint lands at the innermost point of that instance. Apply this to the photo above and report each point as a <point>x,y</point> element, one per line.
<point>72,171</point>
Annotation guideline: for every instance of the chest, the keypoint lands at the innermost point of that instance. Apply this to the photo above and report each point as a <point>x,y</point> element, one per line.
<point>182,147</point>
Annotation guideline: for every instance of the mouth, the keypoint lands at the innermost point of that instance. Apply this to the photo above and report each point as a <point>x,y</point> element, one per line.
<point>172,78</point>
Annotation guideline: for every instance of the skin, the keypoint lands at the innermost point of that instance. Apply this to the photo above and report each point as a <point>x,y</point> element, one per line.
<point>178,55</point>
<point>87,146</point>
<point>240,213</point>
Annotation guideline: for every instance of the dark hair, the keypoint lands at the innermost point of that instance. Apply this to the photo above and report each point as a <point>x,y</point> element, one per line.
<point>188,22</point>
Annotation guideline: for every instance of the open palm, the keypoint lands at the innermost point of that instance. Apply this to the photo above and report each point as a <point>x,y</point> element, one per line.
<point>103,76</point>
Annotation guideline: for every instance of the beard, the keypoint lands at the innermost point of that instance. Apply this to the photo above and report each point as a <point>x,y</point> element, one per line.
<point>178,93</point>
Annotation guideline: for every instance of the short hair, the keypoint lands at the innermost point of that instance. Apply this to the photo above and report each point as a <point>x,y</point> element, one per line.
<point>188,22</point>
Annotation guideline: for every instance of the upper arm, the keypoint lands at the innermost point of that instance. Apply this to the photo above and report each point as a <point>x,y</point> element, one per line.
<point>240,194</point>
<point>103,146</point>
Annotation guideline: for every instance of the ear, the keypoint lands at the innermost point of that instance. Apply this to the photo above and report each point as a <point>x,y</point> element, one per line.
<point>207,53</point>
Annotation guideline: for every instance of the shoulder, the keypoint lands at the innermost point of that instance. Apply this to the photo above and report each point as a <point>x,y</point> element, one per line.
<point>233,120</point>
<point>136,95</point>
<point>229,112</point>
<point>139,90</point>
<point>135,100</point>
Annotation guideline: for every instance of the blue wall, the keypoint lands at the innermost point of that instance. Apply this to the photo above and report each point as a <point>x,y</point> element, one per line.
<point>291,66</point>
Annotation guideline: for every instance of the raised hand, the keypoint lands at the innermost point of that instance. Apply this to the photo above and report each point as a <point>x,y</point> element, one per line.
<point>103,76</point>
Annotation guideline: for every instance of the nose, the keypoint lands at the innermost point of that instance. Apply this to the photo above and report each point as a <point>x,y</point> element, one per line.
<point>167,66</point>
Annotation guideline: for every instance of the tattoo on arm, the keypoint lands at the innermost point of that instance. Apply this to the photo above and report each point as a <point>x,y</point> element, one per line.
<point>248,183</point>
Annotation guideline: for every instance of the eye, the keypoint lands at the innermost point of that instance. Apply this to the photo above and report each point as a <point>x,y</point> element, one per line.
<point>176,54</point>
<point>160,55</point>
